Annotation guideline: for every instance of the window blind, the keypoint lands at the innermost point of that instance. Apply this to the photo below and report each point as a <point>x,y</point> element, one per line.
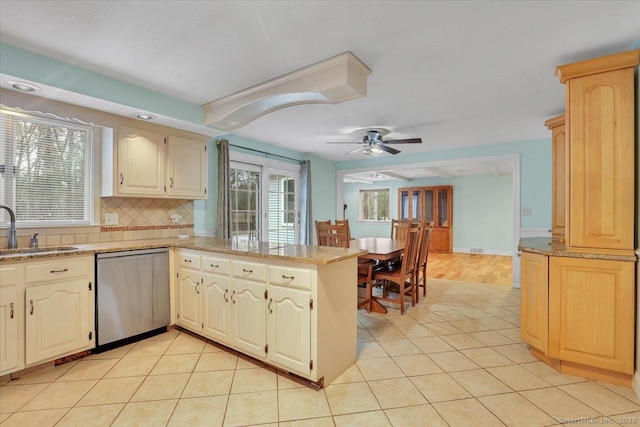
<point>45,170</point>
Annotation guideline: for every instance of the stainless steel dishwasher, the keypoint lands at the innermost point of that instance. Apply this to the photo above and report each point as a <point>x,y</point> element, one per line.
<point>132,296</point>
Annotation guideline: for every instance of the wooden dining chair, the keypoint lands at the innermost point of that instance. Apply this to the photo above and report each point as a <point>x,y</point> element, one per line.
<point>403,275</point>
<point>365,283</point>
<point>395,224</point>
<point>332,235</point>
<point>420,272</point>
<point>346,223</point>
<point>319,223</point>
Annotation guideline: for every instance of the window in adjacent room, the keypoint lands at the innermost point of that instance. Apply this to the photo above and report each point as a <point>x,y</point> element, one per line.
<point>373,205</point>
<point>45,170</point>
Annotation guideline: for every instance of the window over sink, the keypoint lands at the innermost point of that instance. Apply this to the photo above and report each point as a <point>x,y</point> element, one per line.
<point>45,170</point>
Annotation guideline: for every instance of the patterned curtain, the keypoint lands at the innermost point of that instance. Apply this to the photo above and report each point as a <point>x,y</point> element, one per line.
<point>223,226</point>
<point>305,203</point>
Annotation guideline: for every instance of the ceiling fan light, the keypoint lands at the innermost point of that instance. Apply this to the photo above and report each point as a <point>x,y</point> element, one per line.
<point>376,150</point>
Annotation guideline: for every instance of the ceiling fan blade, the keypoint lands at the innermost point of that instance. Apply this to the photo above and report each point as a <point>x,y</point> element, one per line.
<point>362,147</point>
<point>388,149</point>
<point>404,141</point>
<point>344,142</point>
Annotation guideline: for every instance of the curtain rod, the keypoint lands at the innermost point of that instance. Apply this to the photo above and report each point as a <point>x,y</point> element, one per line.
<point>266,153</point>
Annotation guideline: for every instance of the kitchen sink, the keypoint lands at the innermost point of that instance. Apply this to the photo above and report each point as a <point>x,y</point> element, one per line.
<point>20,251</point>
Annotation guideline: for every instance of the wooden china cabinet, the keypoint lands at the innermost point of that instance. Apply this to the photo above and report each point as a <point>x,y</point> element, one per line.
<point>433,205</point>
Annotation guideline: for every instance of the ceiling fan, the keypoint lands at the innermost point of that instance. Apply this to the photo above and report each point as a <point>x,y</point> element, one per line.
<point>372,143</point>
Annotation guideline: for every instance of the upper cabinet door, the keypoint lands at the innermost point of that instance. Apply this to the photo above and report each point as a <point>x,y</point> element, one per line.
<point>601,135</point>
<point>187,168</point>
<point>141,162</point>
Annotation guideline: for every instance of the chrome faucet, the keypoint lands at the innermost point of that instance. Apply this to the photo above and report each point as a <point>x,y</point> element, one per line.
<point>13,241</point>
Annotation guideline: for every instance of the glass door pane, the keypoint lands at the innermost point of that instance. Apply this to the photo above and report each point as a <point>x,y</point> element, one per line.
<point>443,208</point>
<point>282,224</point>
<point>404,204</point>
<point>415,205</point>
<point>429,206</point>
<point>244,198</point>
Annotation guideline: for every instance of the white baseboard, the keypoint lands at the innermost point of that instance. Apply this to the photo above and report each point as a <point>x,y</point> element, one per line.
<point>484,252</point>
<point>535,232</point>
<point>635,384</point>
<point>204,233</point>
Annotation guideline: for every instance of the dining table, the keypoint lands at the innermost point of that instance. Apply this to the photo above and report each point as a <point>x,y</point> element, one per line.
<point>379,249</point>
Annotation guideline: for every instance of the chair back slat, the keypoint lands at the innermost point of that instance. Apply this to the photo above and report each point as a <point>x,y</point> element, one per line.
<point>345,222</point>
<point>332,235</point>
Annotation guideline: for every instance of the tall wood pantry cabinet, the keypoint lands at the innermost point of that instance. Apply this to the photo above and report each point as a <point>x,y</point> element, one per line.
<point>434,206</point>
<point>578,298</point>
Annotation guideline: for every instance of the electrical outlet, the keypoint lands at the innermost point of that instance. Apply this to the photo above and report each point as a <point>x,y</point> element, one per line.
<point>111,219</point>
<point>526,211</point>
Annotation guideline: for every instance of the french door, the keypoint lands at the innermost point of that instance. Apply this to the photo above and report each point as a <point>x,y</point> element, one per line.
<point>264,203</point>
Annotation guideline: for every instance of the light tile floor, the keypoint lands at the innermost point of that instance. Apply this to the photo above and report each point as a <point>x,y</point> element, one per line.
<point>455,359</point>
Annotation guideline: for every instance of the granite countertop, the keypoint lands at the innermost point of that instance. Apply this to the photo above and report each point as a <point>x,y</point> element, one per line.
<point>295,253</point>
<point>545,246</point>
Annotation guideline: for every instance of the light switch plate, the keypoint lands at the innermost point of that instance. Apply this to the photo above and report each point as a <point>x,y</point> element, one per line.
<point>526,211</point>
<point>110,219</point>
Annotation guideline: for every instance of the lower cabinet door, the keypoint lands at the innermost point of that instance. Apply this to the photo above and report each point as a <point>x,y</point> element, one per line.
<point>591,312</point>
<point>216,301</point>
<point>189,299</point>
<point>247,317</point>
<point>8,328</point>
<point>56,320</point>
<point>534,300</point>
<point>289,328</point>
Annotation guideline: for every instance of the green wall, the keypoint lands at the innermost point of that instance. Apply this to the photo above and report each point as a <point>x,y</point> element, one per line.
<point>482,210</point>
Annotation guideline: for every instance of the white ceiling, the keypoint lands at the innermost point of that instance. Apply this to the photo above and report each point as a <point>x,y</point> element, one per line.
<point>455,74</point>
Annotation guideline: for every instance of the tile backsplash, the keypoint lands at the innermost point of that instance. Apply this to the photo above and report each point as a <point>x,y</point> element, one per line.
<point>137,219</point>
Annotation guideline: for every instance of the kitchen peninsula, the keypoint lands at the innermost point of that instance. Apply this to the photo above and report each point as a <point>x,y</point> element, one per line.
<point>290,306</point>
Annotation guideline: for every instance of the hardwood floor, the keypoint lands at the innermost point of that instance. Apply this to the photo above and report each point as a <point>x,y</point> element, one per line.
<point>472,268</point>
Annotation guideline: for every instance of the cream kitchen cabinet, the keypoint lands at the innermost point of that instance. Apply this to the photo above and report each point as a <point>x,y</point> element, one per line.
<point>146,163</point>
<point>289,328</point>
<point>247,317</point>
<point>188,285</point>
<point>186,168</point>
<point>53,307</point>
<point>294,316</point>
<point>56,320</point>
<point>10,281</point>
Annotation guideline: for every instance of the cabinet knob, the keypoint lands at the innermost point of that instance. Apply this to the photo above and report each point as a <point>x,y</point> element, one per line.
<point>232,294</point>
<point>64,270</point>
<point>226,291</point>
<point>187,260</point>
<point>121,179</point>
<point>31,303</point>
<point>288,277</point>
<point>170,182</point>
<point>247,271</point>
<point>269,305</point>
<point>11,313</point>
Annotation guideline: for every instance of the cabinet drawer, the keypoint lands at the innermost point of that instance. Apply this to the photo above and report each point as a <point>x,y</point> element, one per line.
<point>250,270</point>
<point>215,265</point>
<point>10,275</point>
<point>188,259</point>
<point>291,277</point>
<point>57,270</point>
